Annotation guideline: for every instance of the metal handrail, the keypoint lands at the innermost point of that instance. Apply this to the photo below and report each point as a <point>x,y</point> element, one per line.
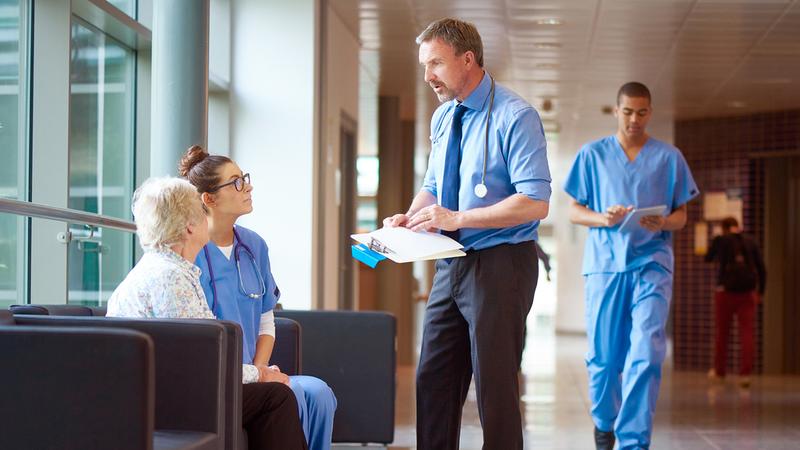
<point>21,208</point>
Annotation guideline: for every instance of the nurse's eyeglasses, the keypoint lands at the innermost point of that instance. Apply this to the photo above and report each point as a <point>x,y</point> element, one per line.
<point>238,183</point>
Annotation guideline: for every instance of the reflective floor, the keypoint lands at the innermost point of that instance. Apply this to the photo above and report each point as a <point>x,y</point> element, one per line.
<point>692,413</point>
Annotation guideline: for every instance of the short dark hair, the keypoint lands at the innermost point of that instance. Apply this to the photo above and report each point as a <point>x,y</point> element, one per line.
<point>462,36</point>
<point>728,223</point>
<point>634,89</point>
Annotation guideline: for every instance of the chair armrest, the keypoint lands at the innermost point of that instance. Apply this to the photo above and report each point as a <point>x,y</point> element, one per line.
<point>76,388</point>
<point>190,363</point>
<point>287,353</point>
<point>52,310</point>
<point>233,384</point>
<point>354,352</point>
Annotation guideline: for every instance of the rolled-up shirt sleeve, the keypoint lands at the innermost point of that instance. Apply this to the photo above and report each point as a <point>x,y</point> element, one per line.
<point>526,148</point>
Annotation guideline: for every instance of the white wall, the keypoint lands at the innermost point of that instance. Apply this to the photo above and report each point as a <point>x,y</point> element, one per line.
<point>273,122</point>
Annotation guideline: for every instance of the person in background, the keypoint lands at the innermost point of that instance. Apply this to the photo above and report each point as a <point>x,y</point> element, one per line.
<point>239,286</point>
<point>172,228</point>
<point>628,274</point>
<point>544,258</point>
<point>741,281</point>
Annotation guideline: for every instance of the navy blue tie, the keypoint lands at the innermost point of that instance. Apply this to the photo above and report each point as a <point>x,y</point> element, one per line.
<point>452,163</point>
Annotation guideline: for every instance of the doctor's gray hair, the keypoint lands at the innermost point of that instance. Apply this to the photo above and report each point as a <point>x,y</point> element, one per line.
<point>462,36</point>
<point>162,208</point>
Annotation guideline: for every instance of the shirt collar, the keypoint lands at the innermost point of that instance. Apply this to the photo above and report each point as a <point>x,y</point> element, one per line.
<point>177,259</point>
<point>478,97</point>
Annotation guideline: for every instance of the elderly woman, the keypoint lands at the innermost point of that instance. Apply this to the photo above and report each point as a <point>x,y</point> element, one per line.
<point>172,229</point>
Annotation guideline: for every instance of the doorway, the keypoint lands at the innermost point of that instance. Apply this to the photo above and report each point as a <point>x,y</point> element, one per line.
<point>347,210</point>
<point>782,242</point>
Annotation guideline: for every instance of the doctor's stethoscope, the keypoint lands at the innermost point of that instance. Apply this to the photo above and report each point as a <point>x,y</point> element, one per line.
<point>480,189</point>
<point>237,246</point>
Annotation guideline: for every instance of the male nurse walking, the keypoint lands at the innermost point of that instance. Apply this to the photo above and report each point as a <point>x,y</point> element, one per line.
<point>487,186</point>
<point>628,274</point>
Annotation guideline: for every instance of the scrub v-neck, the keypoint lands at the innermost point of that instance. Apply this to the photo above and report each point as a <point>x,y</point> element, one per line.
<point>626,162</point>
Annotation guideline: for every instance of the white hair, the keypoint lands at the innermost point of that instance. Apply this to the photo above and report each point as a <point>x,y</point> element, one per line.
<point>162,208</point>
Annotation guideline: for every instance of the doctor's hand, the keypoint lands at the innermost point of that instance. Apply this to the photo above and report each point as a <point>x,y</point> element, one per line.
<point>615,214</point>
<point>397,220</point>
<point>434,217</point>
<point>653,223</point>
<point>270,375</point>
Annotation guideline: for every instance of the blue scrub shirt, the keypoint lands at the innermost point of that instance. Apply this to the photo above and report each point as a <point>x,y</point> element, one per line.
<point>602,176</point>
<point>231,303</point>
<point>516,163</point>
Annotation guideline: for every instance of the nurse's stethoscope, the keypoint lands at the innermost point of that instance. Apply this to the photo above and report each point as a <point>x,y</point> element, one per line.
<point>237,246</point>
<point>480,189</point>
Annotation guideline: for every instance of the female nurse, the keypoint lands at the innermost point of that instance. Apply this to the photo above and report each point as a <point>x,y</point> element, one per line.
<point>239,286</point>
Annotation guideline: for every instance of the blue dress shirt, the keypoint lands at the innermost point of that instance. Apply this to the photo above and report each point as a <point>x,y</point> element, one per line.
<point>516,163</point>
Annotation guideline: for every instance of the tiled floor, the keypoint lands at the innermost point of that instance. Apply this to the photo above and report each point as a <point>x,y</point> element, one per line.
<point>691,414</point>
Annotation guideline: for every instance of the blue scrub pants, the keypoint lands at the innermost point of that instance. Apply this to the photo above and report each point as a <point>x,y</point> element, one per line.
<point>317,406</point>
<point>626,314</point>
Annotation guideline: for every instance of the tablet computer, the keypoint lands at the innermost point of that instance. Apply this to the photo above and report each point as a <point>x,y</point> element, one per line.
<point>631,221</point>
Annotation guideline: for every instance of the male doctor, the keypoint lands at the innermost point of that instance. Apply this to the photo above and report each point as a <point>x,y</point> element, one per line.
<point>628,274</point>
<point>490,198</point>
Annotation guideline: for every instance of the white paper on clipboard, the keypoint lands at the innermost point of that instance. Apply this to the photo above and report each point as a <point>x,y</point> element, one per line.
<point>631,221</point>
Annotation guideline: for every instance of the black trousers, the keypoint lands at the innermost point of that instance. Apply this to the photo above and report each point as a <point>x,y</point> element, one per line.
<point>474,324</point>
<point>270,417</point>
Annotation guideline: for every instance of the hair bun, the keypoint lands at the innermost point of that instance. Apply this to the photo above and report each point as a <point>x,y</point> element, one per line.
<point>194,156</point>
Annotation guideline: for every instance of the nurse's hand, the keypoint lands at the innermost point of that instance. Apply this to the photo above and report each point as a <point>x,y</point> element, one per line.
<point>615,214</point>
<point>270,375</point>
<point>432,218</point>
<point>653,223</point>
<point>397,220</point>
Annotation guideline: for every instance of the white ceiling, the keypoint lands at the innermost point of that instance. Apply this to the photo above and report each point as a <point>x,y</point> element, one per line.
<point>701,58</point>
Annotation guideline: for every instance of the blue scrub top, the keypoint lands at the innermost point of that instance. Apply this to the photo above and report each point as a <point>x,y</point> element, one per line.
<point>517,161</point>
<point>602,176</point>
<point>231,303</point>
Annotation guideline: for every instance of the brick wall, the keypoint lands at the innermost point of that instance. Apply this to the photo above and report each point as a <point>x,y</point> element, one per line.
<point>718,152</point>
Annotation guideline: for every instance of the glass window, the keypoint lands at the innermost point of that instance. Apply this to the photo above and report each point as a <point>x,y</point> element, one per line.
<point>367,185</point>
<point>101,160</point>
<point>13,144</point>
<point>126,6</point>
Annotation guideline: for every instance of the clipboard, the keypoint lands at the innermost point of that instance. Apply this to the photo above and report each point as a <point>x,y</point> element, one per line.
<point>402,245</point>
<point>631,222</point>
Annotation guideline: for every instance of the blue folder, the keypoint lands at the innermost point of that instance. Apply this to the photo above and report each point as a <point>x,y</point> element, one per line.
<point>363,253</point>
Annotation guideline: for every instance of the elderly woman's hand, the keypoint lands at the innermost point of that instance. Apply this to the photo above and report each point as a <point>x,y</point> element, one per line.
<point>270,375</point>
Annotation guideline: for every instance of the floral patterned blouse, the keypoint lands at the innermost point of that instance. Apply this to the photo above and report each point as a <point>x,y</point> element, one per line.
<point>165,285</point>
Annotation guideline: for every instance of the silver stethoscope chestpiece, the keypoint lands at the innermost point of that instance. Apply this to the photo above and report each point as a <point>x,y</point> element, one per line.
<point>480,190</point>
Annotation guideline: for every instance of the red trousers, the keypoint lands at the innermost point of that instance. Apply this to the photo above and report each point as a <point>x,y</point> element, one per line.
<point>743,305</point>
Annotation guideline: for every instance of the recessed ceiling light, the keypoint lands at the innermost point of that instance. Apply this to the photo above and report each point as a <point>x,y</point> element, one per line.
<point>552,21</point>
<point>546,45</point>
